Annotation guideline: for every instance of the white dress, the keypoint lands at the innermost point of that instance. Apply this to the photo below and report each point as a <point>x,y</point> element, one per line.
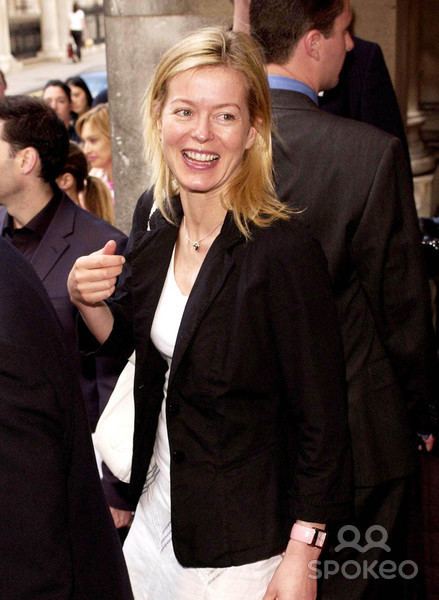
<point>154,571</point>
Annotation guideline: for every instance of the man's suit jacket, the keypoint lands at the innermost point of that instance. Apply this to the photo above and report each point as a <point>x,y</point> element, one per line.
<point>57,540</point>
<point>255,403</point>
<point>74,232</point>
<point>365,92</point>
<point>352,183</point>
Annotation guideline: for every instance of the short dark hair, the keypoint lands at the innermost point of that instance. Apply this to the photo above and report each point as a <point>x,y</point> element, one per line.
<point>29,122</point>
<point>60,84</point>
<point>279,24</point>
<point>79,82</point>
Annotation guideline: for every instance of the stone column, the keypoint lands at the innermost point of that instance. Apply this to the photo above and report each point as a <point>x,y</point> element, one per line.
<point>7,61</point>
<point>423,162</point>
<point>63,25</point>
<point>147,28</point>
<point>396,27</point>
<point>50,38</point>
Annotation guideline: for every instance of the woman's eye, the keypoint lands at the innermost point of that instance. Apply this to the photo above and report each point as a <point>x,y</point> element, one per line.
<point>226,117</point>
<point>184,112</point>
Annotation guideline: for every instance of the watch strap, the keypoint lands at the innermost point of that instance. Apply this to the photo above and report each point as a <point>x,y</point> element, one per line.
<point>313,536</point>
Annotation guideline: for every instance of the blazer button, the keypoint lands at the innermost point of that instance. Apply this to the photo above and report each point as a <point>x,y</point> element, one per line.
<point>178,456</point>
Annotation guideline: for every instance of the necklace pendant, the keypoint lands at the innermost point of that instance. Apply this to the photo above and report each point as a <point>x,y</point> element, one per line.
<point>196,246</point>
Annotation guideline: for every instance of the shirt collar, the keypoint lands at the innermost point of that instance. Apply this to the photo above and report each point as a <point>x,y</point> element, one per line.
<point>40,222</point>
<point>279,82</point>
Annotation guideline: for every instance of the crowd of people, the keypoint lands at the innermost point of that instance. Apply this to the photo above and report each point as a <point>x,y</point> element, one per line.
<point>273,293</point>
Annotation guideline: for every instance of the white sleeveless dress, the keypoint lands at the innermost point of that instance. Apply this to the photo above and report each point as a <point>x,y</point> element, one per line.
<point>154,571</point>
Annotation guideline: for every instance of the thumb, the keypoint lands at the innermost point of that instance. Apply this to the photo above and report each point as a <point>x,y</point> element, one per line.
<point>108,249</point>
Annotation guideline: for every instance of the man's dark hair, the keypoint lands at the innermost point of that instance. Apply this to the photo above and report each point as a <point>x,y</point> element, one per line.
<point>60,84</point>
<point>29,122</point>
<point>279,24</point>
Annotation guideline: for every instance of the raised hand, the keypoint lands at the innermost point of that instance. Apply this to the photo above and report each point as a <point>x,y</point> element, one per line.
<point>93,278</point>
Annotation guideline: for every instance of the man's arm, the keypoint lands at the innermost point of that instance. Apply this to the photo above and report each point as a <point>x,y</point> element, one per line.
<point>387,254</point>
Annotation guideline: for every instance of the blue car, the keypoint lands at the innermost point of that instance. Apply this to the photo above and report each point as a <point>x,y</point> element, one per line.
<point>95,80</point>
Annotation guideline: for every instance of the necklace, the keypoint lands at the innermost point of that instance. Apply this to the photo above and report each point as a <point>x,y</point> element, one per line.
<point>197,243</point>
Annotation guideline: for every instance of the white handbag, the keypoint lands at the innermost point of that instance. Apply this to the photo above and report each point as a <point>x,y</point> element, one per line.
<point>113,438</point>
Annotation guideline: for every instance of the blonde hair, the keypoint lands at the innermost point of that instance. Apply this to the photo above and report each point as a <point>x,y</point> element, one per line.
<point>98,199</point>
<point>97,117</point>
<point>250,195</point>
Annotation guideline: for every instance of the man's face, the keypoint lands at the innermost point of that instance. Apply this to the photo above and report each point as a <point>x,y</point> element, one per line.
<point>9,181</point>
<point>334,48</point>
<point>57,99</point>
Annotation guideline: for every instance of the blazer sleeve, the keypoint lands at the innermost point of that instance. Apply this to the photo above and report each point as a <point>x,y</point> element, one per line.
<point>386,250</point>
<point>309,349</point>
<point>120,342</point>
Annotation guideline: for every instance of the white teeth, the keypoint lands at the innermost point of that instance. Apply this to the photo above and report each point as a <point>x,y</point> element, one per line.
<point>201,157</point>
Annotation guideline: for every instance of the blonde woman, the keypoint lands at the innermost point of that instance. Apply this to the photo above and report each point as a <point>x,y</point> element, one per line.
<point>240,448</point>
<point>93,127</point>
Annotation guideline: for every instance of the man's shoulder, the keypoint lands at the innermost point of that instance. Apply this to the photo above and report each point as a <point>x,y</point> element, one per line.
<point>295,120</point>
<point>88,223</point>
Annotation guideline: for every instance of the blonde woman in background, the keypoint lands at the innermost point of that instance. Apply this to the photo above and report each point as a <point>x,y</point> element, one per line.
<point>88,191</point>
<point>94,129</point>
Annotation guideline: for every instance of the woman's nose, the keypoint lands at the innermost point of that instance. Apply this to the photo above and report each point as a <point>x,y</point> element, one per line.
<point>202,131</point>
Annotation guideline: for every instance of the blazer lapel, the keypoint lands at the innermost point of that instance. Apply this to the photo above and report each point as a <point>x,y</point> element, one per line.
<point>211,278</point>
<point>54,243</point>
<point>150,260</point>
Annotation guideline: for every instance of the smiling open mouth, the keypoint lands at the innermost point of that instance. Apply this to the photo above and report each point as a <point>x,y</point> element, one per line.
<point>200,156</point>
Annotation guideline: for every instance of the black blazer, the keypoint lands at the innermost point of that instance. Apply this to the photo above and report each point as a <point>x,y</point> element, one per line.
<point>74,232</point>
<point>353,185</point>
<point>255,407</point>
<point>57,539</point>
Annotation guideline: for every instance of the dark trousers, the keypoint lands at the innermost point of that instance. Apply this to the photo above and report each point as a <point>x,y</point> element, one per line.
<point>77,38</point>
<point>378,556</point>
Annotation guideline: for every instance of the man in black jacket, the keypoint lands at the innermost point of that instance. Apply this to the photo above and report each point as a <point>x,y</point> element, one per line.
<point>57,540</point>
<point>353,186</point>
<point>51,232</point>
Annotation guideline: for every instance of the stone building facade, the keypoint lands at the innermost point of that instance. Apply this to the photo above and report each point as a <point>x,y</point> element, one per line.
<point>407,31</point>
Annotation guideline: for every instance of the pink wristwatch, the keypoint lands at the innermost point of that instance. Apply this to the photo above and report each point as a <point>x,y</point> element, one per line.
<point>313,536</point>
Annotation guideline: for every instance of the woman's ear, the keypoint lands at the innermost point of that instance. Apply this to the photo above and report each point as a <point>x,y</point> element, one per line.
<point>253,132</point>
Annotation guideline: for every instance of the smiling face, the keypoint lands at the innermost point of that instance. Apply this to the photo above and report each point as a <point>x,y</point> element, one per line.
<point>205,127</point>
<point>79,100</point>
<point>97,147</point>
<point>57,99</point>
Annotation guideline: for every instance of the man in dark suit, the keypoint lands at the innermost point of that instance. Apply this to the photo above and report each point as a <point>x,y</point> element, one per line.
<point>352,183</point>
<point>365,92</point>
<point>57,540</point>
<point>48,228</point>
